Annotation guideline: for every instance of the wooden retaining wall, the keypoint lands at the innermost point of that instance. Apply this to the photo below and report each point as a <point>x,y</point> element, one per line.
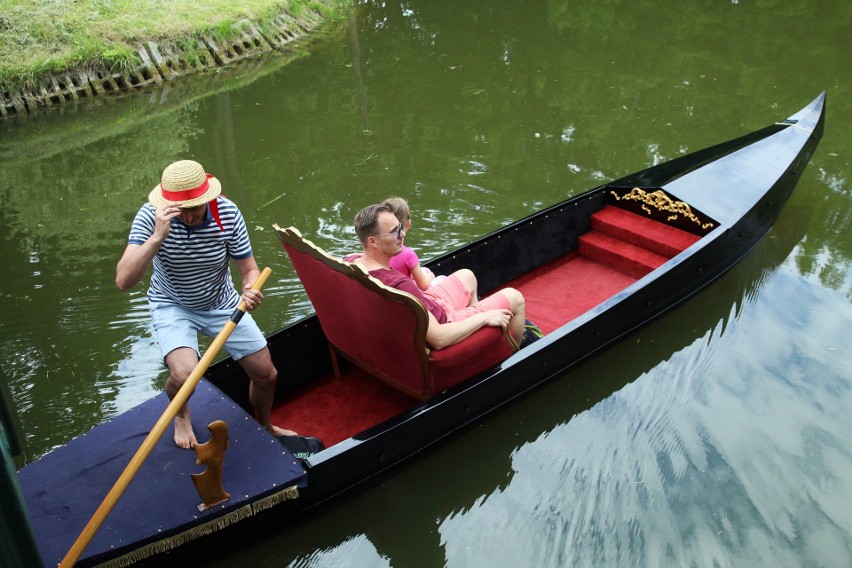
<point>160,62</point>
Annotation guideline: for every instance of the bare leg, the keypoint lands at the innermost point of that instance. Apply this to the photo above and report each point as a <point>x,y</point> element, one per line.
<point>518,307</point>
<point>181,363</point>
<point>468,278</point>
<point>258,366</point>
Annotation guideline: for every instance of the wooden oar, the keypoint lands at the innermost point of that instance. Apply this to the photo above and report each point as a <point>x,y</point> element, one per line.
<point>157,431</point>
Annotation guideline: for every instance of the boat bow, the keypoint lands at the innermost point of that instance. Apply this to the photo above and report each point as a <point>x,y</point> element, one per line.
<point>732,185</point>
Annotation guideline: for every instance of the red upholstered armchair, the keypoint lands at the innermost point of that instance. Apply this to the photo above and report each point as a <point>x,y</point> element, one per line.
<point>382,329</point>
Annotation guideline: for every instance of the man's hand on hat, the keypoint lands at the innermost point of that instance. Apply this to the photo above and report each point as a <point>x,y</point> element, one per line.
<point>163,219</point>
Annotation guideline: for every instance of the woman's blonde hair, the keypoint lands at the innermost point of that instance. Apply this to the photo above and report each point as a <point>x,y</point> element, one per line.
<point>399,207</point>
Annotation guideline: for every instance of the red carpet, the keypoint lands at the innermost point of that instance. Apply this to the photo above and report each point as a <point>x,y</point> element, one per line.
<point>621,248</point>
<point>333,410</point>
<point>560,291</point>
<point>641,231</point>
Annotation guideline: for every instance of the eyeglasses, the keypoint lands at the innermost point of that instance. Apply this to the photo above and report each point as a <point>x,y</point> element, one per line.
<point>398,232</point>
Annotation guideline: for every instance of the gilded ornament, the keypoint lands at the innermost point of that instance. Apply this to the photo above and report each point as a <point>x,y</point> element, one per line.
<point>662,202</point>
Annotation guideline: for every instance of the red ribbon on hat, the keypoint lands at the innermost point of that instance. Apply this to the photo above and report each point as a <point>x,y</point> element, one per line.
<point>186,194</point>
<point>214,211</point>
<point>192,193</point>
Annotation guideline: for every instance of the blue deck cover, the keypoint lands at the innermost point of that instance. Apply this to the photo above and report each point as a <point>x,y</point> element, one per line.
<point>159,509</point>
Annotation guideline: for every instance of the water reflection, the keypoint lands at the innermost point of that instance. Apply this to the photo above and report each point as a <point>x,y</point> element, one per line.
<point>141,361</point>
<point>732,452</point>
<point>355,551</point>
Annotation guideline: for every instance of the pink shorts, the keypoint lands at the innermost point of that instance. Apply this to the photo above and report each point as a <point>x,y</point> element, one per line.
<point>452,295</point>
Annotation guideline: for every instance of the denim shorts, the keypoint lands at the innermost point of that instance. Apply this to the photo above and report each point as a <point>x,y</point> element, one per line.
<point>176,326</point>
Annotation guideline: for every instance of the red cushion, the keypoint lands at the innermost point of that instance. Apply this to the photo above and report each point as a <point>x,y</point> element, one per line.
<point>480,351</point>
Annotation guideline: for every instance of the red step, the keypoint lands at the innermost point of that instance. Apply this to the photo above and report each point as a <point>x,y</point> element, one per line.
<point>641,231</point>
<point>614,253</point>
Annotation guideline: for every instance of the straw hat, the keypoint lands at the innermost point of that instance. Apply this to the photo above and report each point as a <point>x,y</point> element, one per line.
<point>185,183</point>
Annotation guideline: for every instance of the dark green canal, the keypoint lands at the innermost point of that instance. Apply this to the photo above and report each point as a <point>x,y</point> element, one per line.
<point>716,436</point>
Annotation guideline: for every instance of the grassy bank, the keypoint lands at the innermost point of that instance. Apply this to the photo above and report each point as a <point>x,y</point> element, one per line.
<point>41,37</point>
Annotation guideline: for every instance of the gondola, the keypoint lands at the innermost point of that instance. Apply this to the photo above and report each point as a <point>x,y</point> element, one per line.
<point>592,268</point>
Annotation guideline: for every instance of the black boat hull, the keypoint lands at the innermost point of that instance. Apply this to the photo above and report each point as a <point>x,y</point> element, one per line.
<point>536,240</point>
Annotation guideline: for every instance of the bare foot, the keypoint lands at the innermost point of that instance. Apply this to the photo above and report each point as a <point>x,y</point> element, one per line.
<point>276,431</point>
<point>184,436</point>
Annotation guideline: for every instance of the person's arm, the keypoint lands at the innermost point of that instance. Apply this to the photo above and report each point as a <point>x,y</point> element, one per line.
<point>249,273</point>
<point>439,335</point>
<point>137,258</point>
<point>422,276</point>
<point>134,263</point>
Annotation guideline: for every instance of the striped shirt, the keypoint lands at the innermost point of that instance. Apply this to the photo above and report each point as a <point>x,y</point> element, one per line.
<point>192,267</point>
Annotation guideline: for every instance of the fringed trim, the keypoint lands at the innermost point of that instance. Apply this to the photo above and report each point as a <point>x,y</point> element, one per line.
<point>268,502</point>
<point>205,529</point>
<point>173,542</point>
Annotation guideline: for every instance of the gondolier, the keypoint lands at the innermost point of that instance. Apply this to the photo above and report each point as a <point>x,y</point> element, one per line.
<point>189,232</point>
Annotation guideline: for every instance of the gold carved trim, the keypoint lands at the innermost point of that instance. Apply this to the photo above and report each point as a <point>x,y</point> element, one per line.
<point>662,202</point>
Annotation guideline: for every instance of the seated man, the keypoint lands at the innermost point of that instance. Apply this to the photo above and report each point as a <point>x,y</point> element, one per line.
<point>455,311</point>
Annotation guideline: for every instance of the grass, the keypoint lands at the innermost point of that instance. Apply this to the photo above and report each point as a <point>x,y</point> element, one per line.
<point>42,37</point>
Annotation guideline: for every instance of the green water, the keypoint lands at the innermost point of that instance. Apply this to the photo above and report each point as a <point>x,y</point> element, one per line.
<point>715,436</point>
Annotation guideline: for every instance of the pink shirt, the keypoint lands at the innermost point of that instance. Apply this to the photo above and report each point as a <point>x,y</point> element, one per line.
<point>405,261</point>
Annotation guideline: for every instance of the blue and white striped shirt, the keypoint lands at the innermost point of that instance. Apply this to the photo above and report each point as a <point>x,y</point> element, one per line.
<point>192,267</point>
